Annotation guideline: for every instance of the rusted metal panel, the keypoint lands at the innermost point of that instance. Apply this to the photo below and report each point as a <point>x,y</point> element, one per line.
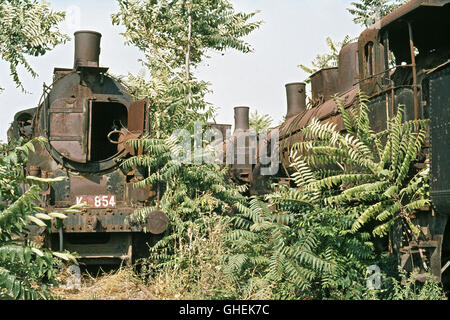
<point>68,129</point>
<point>408,8</point>
<point>135,195</point>
<point>87,185</point>
<point>59,73</point>
<point>297,122</point>
<point>109,249</point>
<point>324,84</point>
<point>371,62</point>
<point>78,113</point>
<point>99,221</point>
<point>137,116</point>
<point>348,67</point>
<point>440,146</point>
<point>67,124</point>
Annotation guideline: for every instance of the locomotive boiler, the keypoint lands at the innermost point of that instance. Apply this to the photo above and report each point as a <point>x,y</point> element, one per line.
<point>86,116</point>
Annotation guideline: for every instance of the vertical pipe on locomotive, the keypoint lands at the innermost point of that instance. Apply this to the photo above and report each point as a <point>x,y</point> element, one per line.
<point>87,49</point>
<point>296,98</point>
<point>241,118</point>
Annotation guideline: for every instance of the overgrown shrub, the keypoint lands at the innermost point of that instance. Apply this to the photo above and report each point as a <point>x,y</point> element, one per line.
<point>26,269</point>
<point>315,241</point>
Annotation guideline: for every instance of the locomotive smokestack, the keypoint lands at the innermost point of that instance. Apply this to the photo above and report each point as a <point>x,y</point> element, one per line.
<point>87,49</point>
<point>241,118</point>
<point>296,98</point>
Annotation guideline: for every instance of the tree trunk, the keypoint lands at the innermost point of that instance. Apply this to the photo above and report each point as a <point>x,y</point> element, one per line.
<point>188,45</point>
<point>188,51</point>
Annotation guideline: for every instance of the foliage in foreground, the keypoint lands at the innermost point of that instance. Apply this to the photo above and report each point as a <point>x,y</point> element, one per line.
<point>188,193</point>
<point>27,27</point>
<point>327,60</point>
<point>372,172</point>
<point>367,12</point>
<point>298,252</point>
<point>260,123</point>
<point>316,240</point>
<point>196,268</point>
<point>176,36</point>
<point>25,267</point>
<point>287,247</point>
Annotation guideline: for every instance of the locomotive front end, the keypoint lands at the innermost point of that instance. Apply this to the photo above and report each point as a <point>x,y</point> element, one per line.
<point>86,117</point>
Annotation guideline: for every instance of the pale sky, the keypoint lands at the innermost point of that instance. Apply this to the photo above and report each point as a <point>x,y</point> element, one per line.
<point>294,32</point>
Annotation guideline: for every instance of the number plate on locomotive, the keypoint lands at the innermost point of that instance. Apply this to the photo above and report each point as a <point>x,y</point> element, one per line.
<point>101,201</point>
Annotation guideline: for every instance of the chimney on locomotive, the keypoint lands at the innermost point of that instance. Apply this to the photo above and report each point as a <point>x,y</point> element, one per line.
<point>296,98</point>
<point>241,118</point>
<point>87,49</point>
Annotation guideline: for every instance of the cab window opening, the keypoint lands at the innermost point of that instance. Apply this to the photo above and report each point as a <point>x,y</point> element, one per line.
<point>105,117</point>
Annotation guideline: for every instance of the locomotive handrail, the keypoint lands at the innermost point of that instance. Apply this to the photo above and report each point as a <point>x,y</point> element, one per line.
<point>384,71</point>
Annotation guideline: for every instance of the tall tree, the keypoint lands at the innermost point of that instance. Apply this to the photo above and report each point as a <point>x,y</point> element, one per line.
<point>176,36</point>
<point>367,12</point>
<point>27,27</point>
<point>260,123</point>
<point>327,60</point>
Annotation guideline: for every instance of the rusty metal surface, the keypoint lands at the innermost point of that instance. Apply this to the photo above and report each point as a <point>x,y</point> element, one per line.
<point>240,149</point>
<point>92,249</point>
<point>87,117</point>
<point>324,84</point>
<point>371,62</point>
<point>90,185</point>
<point>99,221</point>
<point>322,112</point>
<point>348,67</point>
<point>68,130</point>
<point>440,142</point>
<point>414,71</point>
<point>65,116</point>
<point>22,124</point>
<point>136,116</point>
<point>407,8</point>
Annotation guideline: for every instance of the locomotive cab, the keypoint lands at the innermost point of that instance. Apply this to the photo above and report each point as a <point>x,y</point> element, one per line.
<point>405,60</point>
<point>397,54</point>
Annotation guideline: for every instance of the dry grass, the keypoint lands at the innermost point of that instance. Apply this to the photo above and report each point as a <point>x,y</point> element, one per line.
<point>115,285</point>
<point>197,275</point>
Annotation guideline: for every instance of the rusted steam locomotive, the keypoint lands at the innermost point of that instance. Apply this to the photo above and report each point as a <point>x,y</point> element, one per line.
<point>86,116</point>
<point>404,59</point>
